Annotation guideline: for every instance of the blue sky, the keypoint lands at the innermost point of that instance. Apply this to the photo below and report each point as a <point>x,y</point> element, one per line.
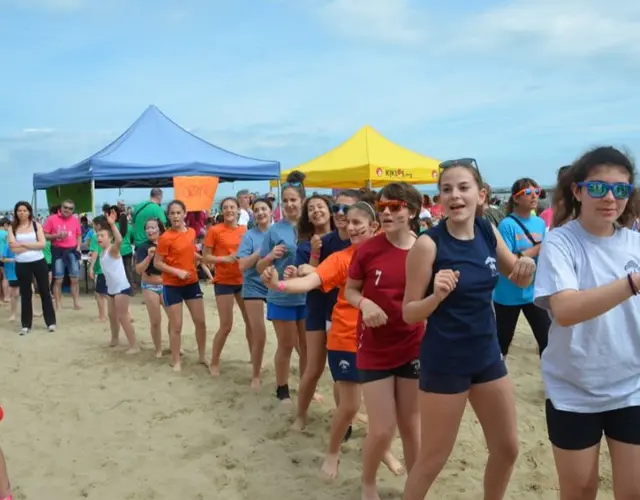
<point>522,85</point>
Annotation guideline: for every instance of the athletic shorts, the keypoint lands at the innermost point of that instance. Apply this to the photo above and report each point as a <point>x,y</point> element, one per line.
<point>101,285</point>
<point>410,370</point>
<point>153,287</point>
<point>452,383</point>
<point>221,289</point>
<point>173,295</point>
<point>343,366</point>
<point>316,311</point>
<point>285,313</point>
<point>578,431</point>
<point>263,299</point>
<point>126,291</point>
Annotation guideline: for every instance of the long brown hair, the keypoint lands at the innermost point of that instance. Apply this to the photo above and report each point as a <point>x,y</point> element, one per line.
<point>567,207</point>
<point>306,229</point>
<point>15,222</point>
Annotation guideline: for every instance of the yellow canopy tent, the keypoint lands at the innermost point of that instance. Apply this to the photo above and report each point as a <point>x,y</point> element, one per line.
<point>367,159</point>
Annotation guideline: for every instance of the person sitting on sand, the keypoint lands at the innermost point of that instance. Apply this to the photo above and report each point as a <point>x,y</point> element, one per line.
<point>118,287</point>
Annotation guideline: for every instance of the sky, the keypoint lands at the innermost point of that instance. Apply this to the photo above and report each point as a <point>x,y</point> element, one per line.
<point>524,86</point>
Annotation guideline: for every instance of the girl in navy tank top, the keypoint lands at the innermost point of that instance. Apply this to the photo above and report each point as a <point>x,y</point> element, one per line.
<point>451,272</point>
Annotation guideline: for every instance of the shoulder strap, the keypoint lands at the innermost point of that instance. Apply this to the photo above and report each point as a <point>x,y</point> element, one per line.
<point>133,219</point>
<point>525,230</point>
<point>35,229</point>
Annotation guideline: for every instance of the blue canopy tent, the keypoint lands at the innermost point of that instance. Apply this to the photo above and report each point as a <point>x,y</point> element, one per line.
<point>150,153</point>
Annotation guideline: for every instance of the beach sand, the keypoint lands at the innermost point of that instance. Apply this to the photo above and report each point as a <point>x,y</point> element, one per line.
<point>85,421</point>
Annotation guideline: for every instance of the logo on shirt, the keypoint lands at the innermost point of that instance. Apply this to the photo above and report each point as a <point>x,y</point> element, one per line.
<point>632,267</point>
<point>490,262</point>
<point>344,365</point>
<point>415,366</point>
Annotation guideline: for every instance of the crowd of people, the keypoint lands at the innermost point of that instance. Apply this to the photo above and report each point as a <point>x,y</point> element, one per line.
<point>413,314</point>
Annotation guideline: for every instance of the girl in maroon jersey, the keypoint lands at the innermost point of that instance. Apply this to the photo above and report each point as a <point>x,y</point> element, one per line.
<point>388,348</point>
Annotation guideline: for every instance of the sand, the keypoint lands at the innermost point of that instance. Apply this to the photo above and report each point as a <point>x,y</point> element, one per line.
<point>86,421</point>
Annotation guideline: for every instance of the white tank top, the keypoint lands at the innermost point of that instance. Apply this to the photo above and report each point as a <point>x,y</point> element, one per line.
<point>29,255</point>
<point>114,274</point>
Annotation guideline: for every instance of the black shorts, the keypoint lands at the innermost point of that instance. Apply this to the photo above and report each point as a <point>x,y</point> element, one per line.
<point>451,383</point>
<point>578,431</point>
<point>101,285</point>
<point>222,289</point>
<point>410,370</point>
<point>14,284</point>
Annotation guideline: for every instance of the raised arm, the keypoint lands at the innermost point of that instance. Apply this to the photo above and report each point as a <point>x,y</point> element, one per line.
<point>114,249</point>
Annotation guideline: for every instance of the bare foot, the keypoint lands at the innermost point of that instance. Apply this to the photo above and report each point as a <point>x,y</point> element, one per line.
<point>255,383</point>
<point>132,350</point>
<point>102,320</point>
<point>214,370</point>
<point>362,418</point>
<point>393,464</point>
<point>77,307</point>
<point>37,315</point>
<point>177,367</point>
<point>318,398</point>
<point>299,423</point>
<point>329,468</point>
<point>114,343</point>
<point>159,354</point>
<point>370,492</point>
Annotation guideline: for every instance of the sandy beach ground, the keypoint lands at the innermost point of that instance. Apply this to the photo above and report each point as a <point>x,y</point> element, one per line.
<point>85,421</point>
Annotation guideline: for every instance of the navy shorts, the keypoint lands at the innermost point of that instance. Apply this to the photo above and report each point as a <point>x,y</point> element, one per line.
<point>343,366</point>
<point>14,284</point>
<point>410,370</point>
<point>101,285</point>
<point>578,431</point>
<point>263,299</point>
<point>126,291</point>
<point>453,383</point>
<point>173,295</point>
<point>316,311</point>
<point>220,289</point>
<point>285,313</point>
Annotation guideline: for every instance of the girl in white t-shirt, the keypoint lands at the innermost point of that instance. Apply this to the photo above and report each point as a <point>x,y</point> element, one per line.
<point>588,279</point>
<point>118,286</point>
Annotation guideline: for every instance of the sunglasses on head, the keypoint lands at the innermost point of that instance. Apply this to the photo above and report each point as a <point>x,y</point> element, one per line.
<point>528,192</point>
<point>600,189</point>
<point>291,184</point>
<point>340,208</point>
<point>392,205</point>
<point>460,162</point>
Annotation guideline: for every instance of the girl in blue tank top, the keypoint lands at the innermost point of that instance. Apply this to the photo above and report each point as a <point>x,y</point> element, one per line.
<point>451,273</point>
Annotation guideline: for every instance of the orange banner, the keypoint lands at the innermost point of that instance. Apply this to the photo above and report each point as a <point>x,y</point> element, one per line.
<point>196,192</point>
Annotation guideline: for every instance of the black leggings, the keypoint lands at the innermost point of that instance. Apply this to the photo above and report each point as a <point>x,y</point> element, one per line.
<point>507,319</point>
<point>26,272</point>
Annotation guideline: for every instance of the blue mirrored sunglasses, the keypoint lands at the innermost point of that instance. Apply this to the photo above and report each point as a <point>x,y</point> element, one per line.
<point>600,189</point>
<point>340,208</point>
<point>460,162</point>
<point>291,184</point>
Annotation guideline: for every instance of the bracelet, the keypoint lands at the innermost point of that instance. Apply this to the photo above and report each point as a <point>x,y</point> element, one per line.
<point>315,256</point>
<point>632,285</point>
<point>281,286</point>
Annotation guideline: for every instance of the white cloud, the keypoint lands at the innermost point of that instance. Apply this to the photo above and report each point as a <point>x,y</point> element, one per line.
<point>391,21</point>
<point>568,28</point>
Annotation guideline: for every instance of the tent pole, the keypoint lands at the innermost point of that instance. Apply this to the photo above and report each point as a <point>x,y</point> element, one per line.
<point>280,197</point>
<point>93,198</point>
<point>34,201</point>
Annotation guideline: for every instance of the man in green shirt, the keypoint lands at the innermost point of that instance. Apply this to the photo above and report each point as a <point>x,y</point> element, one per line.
<point>144,211</point>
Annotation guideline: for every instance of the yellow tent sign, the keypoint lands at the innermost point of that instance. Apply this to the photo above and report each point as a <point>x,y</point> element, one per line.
<point>367,158</point>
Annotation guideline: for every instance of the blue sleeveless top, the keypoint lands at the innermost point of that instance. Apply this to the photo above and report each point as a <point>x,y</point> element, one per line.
<point>461,336</point>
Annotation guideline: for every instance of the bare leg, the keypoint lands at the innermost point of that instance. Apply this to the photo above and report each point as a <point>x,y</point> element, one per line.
<point>408,417</point>
<point>5,486</point>
<point>100,301</point>
<point>114,324</point>
<point>122,307</point>
<point>350,397</point>
<point>301,343</point>
<point>196,309</point>
<point>75,293</point>
<point>255,317</point>
<point>225,316</point>
<point>14,294</point>
<point>247,324</point>
<point>286,333</point>
<point>153,303</point>
<point>57,292</point>
<point>316,361</point>
<point>175,331</point>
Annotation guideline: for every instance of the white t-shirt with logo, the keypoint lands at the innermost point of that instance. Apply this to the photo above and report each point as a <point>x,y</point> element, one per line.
<point>593,366</point>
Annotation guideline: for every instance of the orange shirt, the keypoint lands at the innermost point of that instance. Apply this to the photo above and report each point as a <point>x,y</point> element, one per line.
<point>224,240</point>
<point>178,249</point>
<point>333,272</point>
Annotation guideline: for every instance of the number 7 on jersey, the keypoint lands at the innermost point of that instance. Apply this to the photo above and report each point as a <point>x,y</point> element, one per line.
<point>378,276</point>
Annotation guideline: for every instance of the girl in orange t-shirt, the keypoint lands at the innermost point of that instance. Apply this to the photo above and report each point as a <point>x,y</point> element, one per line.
<point>220,248</point>
<point>342,337</point>
<point>176,258</point>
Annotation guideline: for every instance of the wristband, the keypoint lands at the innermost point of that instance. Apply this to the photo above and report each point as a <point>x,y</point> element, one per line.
<point>281,286</point>
<point>632,285</point>
<point>315,256</point>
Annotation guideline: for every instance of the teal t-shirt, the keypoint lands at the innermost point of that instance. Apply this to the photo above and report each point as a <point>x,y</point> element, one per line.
<point>141,214</point>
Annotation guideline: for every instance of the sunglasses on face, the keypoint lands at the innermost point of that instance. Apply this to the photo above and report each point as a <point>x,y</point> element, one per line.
<point>600,189</point>
<point>340,208</point>
<point>392,205</point>
<point>66,207</point>
<point>460,162</point>
<point>528,192</point>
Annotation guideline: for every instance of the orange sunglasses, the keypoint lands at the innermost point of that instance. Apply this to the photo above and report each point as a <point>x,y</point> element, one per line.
<point>528,192</point>
<point>392,205</point>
